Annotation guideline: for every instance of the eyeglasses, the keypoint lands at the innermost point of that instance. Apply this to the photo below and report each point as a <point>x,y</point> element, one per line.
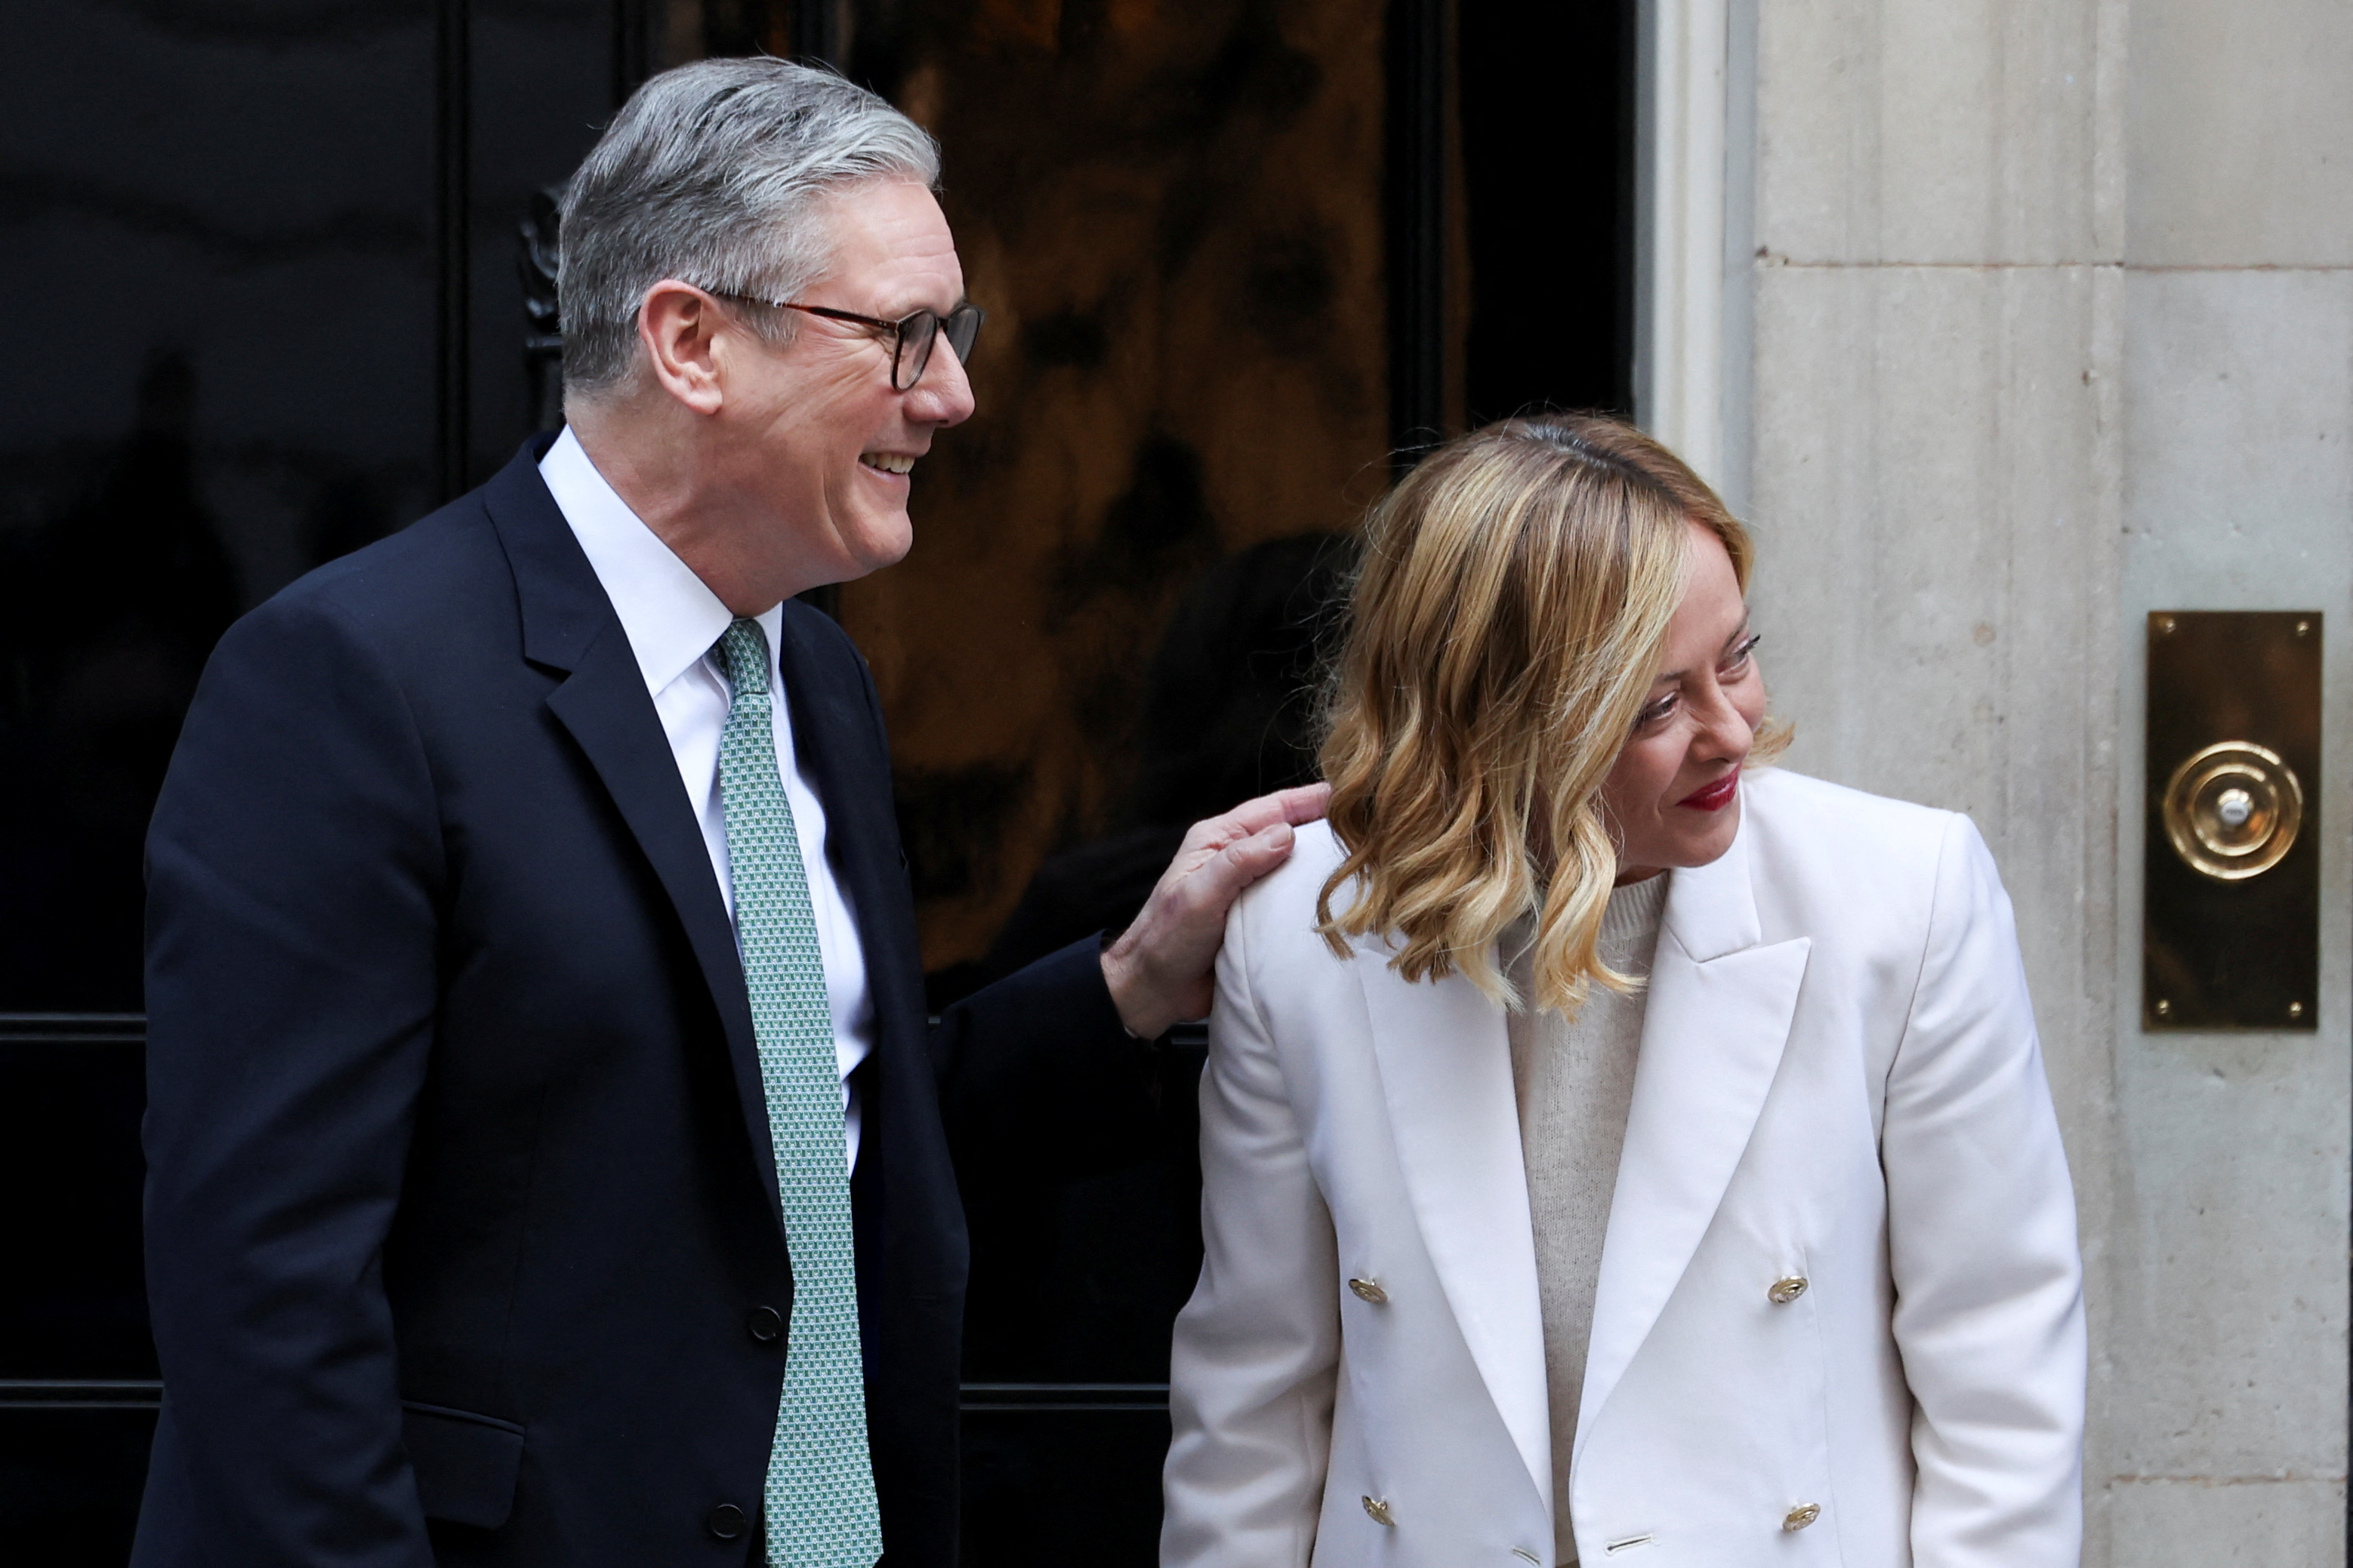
<point>912,337</point>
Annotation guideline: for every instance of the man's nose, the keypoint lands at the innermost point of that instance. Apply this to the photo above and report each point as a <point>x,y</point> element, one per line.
<point>942,396</point>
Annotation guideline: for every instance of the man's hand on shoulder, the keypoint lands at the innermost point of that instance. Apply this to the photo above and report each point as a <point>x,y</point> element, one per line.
<point>1161,969</point>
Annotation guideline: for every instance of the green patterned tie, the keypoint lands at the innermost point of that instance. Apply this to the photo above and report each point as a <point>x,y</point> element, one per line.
<point>820,1492</point>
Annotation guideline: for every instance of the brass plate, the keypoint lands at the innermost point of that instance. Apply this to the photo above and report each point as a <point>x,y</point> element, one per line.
<point>2231,907</point>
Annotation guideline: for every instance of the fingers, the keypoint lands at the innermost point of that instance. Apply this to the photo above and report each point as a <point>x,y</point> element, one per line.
<point>1262,851</point>
<point>1191,901</point>
<point>1221,878</point>
<point>1305,803</point>
<point>1159,968</point>
<point>1293,808</point>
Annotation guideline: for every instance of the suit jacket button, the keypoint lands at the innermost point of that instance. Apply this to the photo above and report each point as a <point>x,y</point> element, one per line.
<point>1378,1507</point>
<point>767,1324</point>
<point>1784,1291</point>
<point>726,1522</point>
<point>1804,1514</point>
<point>1370,1291</point>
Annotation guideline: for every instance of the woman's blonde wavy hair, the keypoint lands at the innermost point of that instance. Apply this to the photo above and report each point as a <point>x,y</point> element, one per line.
<point>1503,633</point>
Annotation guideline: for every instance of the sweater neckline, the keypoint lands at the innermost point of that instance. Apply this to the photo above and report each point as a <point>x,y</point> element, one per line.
<point>1634,910</point>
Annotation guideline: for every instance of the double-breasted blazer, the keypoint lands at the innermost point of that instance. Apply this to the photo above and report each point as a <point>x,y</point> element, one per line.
<point>463,1237</point>
<point>1839,1318</point>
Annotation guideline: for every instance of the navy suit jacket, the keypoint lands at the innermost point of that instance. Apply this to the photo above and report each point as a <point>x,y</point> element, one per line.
<point>463,1237</point>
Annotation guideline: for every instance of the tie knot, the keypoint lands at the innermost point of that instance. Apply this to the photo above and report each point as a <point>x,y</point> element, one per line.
<point>742,651</point>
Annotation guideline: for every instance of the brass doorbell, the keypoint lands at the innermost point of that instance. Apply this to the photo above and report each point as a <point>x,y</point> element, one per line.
<point>2231,902</point>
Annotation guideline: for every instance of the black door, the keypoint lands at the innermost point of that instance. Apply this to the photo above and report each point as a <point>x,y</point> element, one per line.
<point>278,274</point>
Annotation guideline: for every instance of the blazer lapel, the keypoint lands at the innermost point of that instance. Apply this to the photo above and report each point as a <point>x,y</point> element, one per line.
<point>1717,1018</point>
<point>569,626</point>
<point>1446,1073</point>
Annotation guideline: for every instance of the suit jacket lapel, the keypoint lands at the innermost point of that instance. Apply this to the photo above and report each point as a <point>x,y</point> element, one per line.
<point>1717,1018</point>
<point>569,626</point>
<point>1446,1073</point>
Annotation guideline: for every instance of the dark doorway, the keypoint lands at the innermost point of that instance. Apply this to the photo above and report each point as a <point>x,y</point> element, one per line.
<point>1237,254</point>
<point>1547,117</point>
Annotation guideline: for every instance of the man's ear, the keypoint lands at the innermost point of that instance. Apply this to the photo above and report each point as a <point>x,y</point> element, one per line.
<point>679,326</point>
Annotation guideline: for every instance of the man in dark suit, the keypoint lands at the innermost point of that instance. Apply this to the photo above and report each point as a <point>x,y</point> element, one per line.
<point>545,1167</point>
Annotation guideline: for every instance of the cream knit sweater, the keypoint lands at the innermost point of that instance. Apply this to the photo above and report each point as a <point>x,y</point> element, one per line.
<point>1575,1078</point>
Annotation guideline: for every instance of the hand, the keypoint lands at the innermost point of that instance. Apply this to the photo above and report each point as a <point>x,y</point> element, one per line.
<point>1160,970</point>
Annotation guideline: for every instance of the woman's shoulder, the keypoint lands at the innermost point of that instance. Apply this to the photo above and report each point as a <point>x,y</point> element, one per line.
<point>1278,911</point>
<point>1294,886</point>
<point>1852,850</point>
<point>1828,814</point>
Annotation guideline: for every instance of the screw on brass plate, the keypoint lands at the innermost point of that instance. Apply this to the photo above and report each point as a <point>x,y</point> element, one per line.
<point>2302,627</point>
<point>2295,1009</point>
<point>2165,625</point>
<point>2164,1008</point>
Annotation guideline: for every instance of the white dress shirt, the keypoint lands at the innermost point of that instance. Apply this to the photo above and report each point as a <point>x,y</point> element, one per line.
<point>673,620</point>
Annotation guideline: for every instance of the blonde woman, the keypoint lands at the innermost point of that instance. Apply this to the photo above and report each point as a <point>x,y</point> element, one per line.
<point>1610,1154</point>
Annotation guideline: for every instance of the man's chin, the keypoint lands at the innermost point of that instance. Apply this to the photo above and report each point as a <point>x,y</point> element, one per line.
<point>884,543</point>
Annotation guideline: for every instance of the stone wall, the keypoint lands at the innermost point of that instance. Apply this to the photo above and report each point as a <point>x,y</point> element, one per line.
<point>2052,325</point>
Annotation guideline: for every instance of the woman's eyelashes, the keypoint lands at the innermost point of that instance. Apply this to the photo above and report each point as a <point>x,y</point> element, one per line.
<point>1735,668</point>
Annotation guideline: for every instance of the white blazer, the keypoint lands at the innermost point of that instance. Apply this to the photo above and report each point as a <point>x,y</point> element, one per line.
<point>1839,1084</point>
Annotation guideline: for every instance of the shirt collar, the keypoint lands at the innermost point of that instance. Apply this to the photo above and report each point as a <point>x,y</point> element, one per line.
<point>671,615</point>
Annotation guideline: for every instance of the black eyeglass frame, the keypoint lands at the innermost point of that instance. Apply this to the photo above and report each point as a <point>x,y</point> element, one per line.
<point>960,326</point>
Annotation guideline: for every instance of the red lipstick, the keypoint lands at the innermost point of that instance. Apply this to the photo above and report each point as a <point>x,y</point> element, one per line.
<point>1716,796</point>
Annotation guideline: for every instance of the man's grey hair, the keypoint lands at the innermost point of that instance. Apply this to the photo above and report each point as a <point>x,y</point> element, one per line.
<point>708,176</point>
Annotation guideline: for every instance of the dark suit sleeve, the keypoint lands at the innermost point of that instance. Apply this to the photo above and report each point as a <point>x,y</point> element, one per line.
<point>294,870</point>
<point>1039,1063</point>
